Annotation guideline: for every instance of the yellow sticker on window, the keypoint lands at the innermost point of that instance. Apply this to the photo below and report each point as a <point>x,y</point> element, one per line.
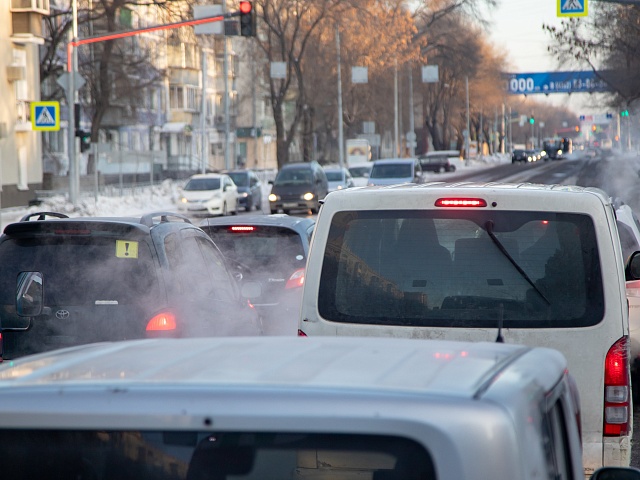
<point>126,249</point>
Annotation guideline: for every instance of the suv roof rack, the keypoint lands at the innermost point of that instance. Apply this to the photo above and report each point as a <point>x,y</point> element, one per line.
<point>42,216</point>
<point>164,217</point>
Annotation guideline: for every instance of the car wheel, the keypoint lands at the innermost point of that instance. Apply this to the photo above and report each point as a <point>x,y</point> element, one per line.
<point>235,210</point>
<point>273,212</point>
<point>286,212</point>
<point>258,204</point>
<point>224,209</point>
<point>442,170</point>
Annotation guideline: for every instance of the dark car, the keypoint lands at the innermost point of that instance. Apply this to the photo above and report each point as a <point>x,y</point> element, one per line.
<point>249,189</point>
<point>519,156</point>
<point>298,186</point>
<point>436,163</point>
<point>71,281</point>
<point>272,250</point>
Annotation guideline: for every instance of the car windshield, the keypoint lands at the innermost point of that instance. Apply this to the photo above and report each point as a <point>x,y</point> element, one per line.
<point>293,176</point>
<point>442,268</point>
<point>241,179</point>
<point>391,170</point>
<point>202,184</point>
<point>334,175</point>
<point>360,171</point>
<point>114,454</point>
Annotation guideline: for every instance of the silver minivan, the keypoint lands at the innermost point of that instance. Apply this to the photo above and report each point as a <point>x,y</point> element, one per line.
<point>290,408</point>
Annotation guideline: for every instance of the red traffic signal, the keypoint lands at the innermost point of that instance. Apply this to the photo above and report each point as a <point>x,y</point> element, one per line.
<point>247,20</point>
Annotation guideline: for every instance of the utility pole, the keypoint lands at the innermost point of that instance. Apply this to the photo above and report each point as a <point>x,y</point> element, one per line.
<point>412,127</point>
<point>227,120</point>
<point>254,120</point>
<point>396,135</point>
<point>71,104</point>
<point>340,127</point>
<point>467,137</point>
<point>204,151</point>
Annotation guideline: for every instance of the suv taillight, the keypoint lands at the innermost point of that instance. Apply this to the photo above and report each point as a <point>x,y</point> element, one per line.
<point>296,279</point>
<point>301,333</point>
<point>162,322</point>
<point>616,390</point>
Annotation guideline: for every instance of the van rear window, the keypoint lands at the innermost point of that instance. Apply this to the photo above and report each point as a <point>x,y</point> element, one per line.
<point>462,268</point>
<point>192,455</point>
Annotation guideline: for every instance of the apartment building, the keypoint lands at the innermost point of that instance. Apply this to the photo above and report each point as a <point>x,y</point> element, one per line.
<point>20,146</point>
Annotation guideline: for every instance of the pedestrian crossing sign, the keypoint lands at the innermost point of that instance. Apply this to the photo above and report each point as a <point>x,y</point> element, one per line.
<point>45,116</point>
<point>572,8</point>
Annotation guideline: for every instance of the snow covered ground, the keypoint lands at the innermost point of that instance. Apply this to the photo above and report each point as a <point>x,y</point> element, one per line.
<point>162,197</point>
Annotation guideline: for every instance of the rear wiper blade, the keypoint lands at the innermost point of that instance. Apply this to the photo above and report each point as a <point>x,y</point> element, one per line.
<point>489,227</point>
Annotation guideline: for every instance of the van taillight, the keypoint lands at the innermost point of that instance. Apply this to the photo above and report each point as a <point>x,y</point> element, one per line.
<point>301,333</point>
<point>616,390</point>
<point>296,279</point>
<point>162,322</point>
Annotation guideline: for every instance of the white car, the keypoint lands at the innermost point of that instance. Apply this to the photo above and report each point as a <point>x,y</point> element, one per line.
<point>360,173</point>
<point>209,193</point>
<point>290,408</point>
<point>338,178</point>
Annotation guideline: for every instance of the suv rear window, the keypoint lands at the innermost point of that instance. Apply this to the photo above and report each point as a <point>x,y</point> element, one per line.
<point>442,268</point>
<point>139,455</point>
<point>259,247</point>
<point>390,170</point>
<point>80,270</point>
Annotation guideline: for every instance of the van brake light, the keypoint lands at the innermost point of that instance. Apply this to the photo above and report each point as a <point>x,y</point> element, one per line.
<point>242,228</point>
<point>616,390</point>
<point>460,202</point>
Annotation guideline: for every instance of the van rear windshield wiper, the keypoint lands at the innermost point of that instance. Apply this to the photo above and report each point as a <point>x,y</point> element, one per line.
<point>489,228</point>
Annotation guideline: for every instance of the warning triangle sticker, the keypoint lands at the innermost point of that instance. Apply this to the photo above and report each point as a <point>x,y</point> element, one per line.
<point>45,117</point>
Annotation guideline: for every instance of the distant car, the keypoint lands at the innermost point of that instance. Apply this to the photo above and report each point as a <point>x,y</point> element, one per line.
<point>249,189</point>
<point>209,194</point>
<point>338,178</point>
<point>519,156</point>
<point>533,155</point>
<point>298,186</point>
<point>360,173</point>
<point>272,250</point>
<point>393,171</point>
<point>72,281</point>
<point>436,163</point>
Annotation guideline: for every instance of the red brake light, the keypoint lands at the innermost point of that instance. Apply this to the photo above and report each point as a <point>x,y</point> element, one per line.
<point>301,333</point>
<point>461,202</point>
<point>245,7</point>
<point>162,322</point>
<point>616,390</point>
<point>242,228</point>
<point>296,279</point>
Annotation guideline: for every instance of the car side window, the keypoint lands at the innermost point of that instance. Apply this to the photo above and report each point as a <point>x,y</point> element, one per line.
<point>224,287</point>
<point>556,443</point>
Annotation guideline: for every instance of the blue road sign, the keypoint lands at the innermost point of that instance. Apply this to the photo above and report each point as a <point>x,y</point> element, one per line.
<point>572,8</point>
<point>45,115</point>
<point>555,82</point>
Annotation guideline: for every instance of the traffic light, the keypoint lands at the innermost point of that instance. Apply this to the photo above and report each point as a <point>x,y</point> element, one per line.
<point>85,139</point>
<point>532,120</point>
<point>247,20</point>
<point>624,113</point>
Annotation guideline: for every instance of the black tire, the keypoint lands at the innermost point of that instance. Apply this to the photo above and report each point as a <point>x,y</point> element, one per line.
<point>235,210</point>
<point>224,209</point>
<point>286,212</point>
<point>442,170</point>
<point>273,212</point>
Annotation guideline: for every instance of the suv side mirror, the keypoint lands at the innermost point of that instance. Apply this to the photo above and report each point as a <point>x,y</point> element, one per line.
<point>632,270</point>
<point>29,294</point>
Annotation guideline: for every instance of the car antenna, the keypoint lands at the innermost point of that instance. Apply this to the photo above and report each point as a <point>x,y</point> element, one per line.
<point>499,338</point>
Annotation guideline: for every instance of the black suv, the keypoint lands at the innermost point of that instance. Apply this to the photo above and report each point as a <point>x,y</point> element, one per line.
<point>70,281</point>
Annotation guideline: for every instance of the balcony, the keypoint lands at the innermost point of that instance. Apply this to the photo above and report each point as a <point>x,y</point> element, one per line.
<point>30,6</point>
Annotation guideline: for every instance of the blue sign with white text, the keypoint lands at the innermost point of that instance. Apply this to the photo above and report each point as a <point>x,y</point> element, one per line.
<point>555,82</point>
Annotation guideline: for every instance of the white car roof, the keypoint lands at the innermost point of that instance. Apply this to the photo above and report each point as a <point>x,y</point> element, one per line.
<point>457,369</point>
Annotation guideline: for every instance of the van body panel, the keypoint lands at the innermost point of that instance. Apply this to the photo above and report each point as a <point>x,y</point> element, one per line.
<point>584,347</point>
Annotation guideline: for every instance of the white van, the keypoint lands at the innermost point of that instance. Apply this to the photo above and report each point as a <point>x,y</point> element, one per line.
<point>525,264</point>
<point>290,408</point>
